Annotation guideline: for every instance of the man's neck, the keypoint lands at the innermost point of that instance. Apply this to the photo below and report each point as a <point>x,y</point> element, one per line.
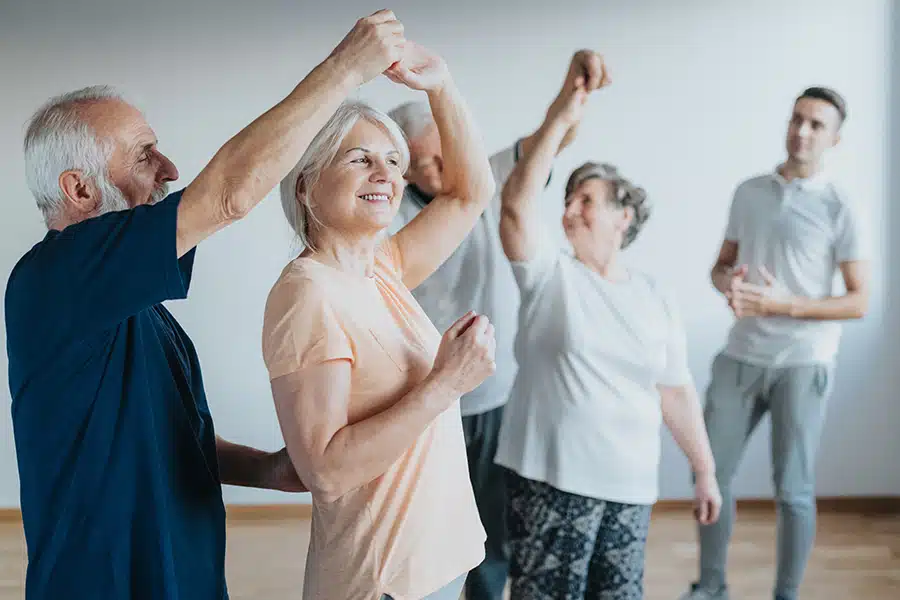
<point>792,169</point>
<point>419,194</point>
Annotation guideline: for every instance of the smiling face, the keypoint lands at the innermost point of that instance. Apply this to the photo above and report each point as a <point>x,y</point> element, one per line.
<point>359,192</point>
<point>594,225</point>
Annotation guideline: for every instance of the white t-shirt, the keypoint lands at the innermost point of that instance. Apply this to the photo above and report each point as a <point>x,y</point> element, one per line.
<point>477,276</point>
<point>584,414</point>
<point>800,231</point>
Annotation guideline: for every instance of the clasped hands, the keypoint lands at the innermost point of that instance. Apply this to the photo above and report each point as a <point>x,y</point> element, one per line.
<point>769,299</point>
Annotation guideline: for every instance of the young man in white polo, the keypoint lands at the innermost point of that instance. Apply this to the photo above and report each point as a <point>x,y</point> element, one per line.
<point>790,236</point>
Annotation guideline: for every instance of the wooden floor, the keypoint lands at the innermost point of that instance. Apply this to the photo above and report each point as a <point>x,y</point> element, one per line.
<point>857,557</point>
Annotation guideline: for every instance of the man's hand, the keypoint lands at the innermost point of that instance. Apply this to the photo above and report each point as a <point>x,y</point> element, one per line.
<point>280,474</point>
<point>752,300</point>
<point>372,46</point>
<point>707,499</point>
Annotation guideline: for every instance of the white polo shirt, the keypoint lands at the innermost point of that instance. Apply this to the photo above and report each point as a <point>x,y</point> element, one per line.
<point>801,231</point>
<point>584,415</point>
<point>477,276</point>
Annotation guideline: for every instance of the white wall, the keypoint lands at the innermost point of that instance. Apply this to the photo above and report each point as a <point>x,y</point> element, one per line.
<point>701,95</point>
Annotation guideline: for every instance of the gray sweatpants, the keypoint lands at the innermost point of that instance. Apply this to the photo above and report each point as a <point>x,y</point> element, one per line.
<point>739,395</point>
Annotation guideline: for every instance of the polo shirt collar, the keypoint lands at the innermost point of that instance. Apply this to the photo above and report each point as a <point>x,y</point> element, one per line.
<point>817,182</point>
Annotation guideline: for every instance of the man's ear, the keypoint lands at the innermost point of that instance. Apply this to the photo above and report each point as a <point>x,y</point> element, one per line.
<point>79,192</point>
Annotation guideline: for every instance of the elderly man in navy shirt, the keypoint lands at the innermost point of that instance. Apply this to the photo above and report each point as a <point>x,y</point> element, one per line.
<point>120,467</point>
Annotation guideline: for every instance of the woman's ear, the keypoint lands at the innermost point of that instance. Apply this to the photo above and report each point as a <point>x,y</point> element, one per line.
<point>300,189</point>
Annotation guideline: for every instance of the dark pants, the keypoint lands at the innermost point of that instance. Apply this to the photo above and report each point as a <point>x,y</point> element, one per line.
<point>570,547</point>
<point>487,580</point>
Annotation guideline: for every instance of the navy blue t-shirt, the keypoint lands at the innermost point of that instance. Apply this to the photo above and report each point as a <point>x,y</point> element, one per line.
<point>116,449</point>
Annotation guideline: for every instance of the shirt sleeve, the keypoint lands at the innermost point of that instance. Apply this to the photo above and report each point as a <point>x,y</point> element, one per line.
<point>677,371</point>
<point>531,275</point>
<point>851,239</point>
<point>732,226</point>
<point>301,328</point>
<point>106,269</point>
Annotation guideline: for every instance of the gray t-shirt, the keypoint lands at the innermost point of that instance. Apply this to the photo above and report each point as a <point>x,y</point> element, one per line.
<point>801,231</point>
<point>477,276</point>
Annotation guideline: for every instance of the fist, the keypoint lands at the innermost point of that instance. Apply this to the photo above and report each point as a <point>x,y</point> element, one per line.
<point>465,357</point>
<point>590,66</point>
<point>372,46</point>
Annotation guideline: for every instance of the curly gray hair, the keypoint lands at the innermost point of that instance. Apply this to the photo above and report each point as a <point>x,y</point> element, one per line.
<point>625,193</point>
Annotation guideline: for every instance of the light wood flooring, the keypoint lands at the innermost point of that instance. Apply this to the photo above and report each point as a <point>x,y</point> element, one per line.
<point>857,557</point>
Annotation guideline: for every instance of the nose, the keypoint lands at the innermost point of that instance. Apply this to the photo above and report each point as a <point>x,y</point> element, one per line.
<point>572,210</point>
<point>167,169</point>
<point>804,130</point>
<point>381,172</point>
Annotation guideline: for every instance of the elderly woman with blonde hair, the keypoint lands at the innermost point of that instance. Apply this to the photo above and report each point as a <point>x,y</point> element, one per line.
<point>366,389</point>
<point>602,361</point>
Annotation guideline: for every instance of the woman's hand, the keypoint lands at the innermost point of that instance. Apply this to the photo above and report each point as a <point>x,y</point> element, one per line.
<point>419,69</point>
<point>707,499</point>
<point>465,357</point>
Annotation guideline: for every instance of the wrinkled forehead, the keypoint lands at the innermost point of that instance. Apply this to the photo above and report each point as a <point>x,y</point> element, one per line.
<point>119,123</point>
<point>371,137</point>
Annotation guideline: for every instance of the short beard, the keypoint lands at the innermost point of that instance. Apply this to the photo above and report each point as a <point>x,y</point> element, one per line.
<point>112,199</point>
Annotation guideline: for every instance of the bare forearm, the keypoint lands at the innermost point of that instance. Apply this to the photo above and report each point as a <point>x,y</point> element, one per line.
<point>525,183</point>
<point>255,160</point>
<point>529,142</point>
<point>467,170</point>
<point>852,305</point>
<point>241,465</point>
<point>721,277</point>
<point>684,418</point>
<point>360,452</point>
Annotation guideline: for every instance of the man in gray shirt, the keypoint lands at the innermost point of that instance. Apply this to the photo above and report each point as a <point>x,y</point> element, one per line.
<point>477,276</point>
<point>789,234</point>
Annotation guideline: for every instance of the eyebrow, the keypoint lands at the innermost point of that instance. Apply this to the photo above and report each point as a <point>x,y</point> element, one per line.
<point>143,146</point>
<point>367,151</point>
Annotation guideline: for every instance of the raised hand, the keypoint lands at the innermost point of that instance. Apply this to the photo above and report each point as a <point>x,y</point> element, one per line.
<point>374,44</point>
<point>590,66</point>
<point>465,357</point>
<point>419,68</point>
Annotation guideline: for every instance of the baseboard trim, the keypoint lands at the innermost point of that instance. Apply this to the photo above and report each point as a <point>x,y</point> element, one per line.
<point>865,505</point>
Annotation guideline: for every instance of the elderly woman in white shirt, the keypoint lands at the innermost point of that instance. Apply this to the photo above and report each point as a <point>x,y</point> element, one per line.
<point>601,354</point>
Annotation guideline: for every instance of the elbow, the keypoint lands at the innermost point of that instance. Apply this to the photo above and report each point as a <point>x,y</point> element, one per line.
<point>235,203</point>
<point>481,191</point>
<point>326,485</point>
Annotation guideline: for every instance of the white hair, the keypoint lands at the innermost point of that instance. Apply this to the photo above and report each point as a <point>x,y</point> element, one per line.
<point>413,117</point>
<point>59,139</point>
<point>319,155</point>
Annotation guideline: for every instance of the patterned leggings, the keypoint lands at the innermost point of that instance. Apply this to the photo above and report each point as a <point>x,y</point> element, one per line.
<point>569,547</point>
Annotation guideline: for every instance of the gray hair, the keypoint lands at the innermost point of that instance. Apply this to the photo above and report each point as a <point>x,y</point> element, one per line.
<point>59,139</point>
<point>413,117</point>
<point>625,193</point>
<point>319,155</point>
